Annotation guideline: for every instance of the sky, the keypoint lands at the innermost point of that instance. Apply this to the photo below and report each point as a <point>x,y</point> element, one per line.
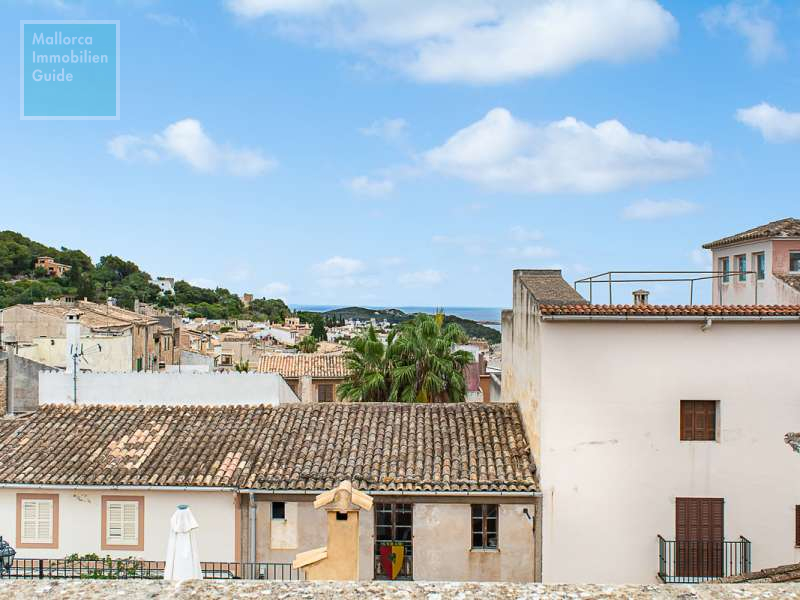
<point>382,153</point>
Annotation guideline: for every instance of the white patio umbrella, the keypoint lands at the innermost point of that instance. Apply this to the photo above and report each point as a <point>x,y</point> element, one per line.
<point>183,560</point>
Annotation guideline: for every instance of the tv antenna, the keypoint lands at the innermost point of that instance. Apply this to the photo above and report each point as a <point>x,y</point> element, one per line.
<point>76,357</point>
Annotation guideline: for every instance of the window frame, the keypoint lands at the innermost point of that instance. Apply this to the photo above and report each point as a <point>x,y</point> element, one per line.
<point>692,435</point>
<point>796,253</point>
<point>484,531</point>
<point>760,269</point>
<point>741,267</point>
<point>725,267</point>
<point>327,386</point>
<point>104,543</point>
<point>54,520</point>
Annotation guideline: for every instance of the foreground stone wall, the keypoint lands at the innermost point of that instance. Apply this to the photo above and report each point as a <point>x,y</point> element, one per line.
<point>196,590</point>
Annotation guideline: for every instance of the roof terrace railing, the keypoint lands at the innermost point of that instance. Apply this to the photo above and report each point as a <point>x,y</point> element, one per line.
<point>609,278</point>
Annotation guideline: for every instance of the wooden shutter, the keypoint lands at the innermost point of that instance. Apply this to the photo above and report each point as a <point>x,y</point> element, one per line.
<point>698,420</point>
<point>797,525</point>
<point>37,521</point>
<point>122,523</point>
<point>699,535</point>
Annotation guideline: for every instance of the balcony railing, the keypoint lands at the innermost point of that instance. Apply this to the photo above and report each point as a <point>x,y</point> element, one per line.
<point>108,568</point>
<point>691,562</point>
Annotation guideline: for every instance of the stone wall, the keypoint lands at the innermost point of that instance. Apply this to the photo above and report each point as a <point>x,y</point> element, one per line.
<point>87,589</point>
<point>3,383</point>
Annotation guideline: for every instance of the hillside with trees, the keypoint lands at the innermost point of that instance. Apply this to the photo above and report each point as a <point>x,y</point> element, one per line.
<point>111,276</point>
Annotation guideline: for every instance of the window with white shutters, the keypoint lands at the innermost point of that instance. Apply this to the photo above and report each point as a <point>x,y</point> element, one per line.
<point>122,523</point>
<point>36,522</point>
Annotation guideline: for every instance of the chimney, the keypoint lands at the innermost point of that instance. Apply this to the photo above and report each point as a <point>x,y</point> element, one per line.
<point>640,298</point>
<point>72,326</point>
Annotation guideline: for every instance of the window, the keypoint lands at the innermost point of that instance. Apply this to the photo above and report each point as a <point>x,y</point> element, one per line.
<point>794,262</point>
<point>725,267</point>
<point>741,266</point>
<point>325,392</point>
<point>37,520</point>
<point>139,364</point>
<point>123,525</point>
<point>279,511</point>
<point>698,420</point>
<point>759,262</point>
<point>484,526</point>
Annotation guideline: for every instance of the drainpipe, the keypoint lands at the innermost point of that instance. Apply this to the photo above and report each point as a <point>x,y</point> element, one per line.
<point>251,508</point>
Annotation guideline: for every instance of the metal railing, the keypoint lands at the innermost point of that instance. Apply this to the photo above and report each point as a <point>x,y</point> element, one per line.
<point>108,568</point>
<point>691,561</point>
<point>610,278</point>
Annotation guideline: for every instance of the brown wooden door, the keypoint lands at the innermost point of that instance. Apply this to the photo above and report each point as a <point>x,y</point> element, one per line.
<point>699,536</point>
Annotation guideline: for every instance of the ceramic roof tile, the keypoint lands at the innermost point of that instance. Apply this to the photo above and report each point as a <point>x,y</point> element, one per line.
<point>322,366</point>
<point>658,310</point>
<point>405,447</point>
<point>776,229</point>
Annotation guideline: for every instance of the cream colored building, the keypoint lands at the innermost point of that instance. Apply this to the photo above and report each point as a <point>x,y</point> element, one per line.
<point>453,485</point>
<point>758,266</point>
<point>650,421</point>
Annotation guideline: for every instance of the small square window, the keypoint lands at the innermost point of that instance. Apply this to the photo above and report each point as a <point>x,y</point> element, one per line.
<point>484,526</point>
<point>341,516</point>
<point>325,392</point>
<point>698,420</point>
<point>794,262</point>
<point>279,511</point>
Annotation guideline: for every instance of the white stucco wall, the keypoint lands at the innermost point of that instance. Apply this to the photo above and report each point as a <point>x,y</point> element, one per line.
<point>611,461</point>
<point>168,389</point>
<point>80,522</point>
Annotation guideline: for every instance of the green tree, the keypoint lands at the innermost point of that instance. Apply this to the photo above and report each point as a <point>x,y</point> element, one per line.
<point>308,344</point>
<point>318,328</point>
<point>368,361</point>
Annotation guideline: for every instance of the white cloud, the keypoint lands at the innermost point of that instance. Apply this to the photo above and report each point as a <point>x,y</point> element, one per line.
<point>659,209</point>
<point>367,186</point>
<point>532,252</point>
<point>275,289</point>
<point>748,19</point>
<point>502,152</point>
<point>520,234</point>
<point>185,140</point>
<point>338,266</point>
<point>775,125</point>
<point>390,130</point>
<point>420,278</point>
<point>168,20</point>
<point>482,41</point>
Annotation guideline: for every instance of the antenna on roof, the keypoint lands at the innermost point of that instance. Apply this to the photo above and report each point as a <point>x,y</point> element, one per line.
<point>80,354</point>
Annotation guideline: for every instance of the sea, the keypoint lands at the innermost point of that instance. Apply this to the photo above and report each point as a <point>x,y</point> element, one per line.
<point>488,315</point>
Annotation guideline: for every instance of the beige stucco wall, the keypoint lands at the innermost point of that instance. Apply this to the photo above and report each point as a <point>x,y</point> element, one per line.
<point>612,463</point>
<point>116,354</point>
<point>442,545</point>
<point>441,540</point>
<point>80,528</point>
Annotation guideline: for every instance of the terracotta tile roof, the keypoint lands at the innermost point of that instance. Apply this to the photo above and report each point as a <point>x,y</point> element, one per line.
<point>792,280</point>
<point>774,575</point>
<point>332,366</point>
<point>95,316</point>
<point>658,310</point>
<point>783,228</point>
<point>393,447</point>
<point>549,287</point>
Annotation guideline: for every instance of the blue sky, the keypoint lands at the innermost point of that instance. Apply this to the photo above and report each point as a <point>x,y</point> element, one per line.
<point>354,152</point>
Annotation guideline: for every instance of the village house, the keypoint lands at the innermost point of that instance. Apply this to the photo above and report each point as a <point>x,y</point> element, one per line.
<point>52,268</point>
<point>289,333</point>
<point>657,431</point>
<point>758,266</point>
<point>313,377</point>
<point>111,338</point>
<point>454,485</point>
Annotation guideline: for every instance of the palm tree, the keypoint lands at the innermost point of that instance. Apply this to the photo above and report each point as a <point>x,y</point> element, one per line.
<point>370,369</point>
<point>426,366</point>
<point>308,344</point>
<point>417,364</point>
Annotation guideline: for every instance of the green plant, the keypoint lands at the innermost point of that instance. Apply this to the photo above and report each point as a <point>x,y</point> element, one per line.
<point>242,366</point>
<point>308,344</point>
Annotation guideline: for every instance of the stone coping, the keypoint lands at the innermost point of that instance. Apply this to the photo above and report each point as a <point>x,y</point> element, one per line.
<point>319,590</point>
